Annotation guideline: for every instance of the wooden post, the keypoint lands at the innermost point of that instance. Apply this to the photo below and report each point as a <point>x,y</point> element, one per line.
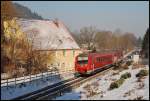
<point>30,78</point>
<point>7,83</point>
<point>15,81</point>
<point>47,73</point>
<point>42,75</point>
<point>24,79</point>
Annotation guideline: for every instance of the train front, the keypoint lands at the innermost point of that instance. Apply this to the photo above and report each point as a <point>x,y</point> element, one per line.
<point>81,64</point>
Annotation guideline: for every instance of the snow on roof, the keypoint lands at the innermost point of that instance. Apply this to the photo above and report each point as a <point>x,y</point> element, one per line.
<point>47,34</point>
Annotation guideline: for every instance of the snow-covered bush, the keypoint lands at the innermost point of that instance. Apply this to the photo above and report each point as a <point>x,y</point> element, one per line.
<point>116,83</point>
<point>121,67</point>
<point>126,66</point>
<point>116,67</point>
<point>142,73</point>
<point>129,63</point>
<point>126,75</point>
<point>90,90</point>
<point>138,98</point>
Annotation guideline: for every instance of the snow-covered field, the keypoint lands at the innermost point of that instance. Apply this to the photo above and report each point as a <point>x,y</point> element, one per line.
<point>23,88</point>
<point>97,89</point>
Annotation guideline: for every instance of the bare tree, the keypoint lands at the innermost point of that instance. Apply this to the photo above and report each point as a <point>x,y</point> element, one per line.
<point>87,35</point>
<point>102,39</point>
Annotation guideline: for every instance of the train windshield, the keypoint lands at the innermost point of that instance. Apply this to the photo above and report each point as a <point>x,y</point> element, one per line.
<point>82,60</point>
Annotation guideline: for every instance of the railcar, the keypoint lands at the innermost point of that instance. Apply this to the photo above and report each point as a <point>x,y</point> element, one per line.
<point>87,63</point>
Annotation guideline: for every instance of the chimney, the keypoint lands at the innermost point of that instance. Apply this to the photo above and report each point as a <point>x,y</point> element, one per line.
<point>56,22</point>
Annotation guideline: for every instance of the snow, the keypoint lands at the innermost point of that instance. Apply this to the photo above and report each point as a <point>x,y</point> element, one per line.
<point>46,35</point>
<point>23,88</point>
<point>128,90</point>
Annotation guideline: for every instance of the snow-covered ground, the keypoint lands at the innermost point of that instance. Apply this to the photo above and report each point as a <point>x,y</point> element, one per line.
<point>129,90</point>
<point>23,88</point>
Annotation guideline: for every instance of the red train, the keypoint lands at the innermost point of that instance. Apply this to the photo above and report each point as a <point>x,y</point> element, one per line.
<point>89,62</point>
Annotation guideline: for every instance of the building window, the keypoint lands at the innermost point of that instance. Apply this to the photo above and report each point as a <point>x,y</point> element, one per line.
<point>73,52</point>
<point>56,53</point>
<point>64,52</point>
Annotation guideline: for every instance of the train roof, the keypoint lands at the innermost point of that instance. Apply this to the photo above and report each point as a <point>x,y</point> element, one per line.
<point>96,53</point>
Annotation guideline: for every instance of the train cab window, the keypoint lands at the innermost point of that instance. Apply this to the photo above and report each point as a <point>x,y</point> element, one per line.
<point>82,60</point>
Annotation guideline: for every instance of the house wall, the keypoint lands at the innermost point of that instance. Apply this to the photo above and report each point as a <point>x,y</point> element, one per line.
<point>63,59</point>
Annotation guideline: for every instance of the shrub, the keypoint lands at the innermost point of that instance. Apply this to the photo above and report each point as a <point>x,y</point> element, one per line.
<point>126,75</point>
<point>142,73</point>
<point>129,63</point>
<point>116,84</point>
<point>116,66</point>
<point>138,98</point>
<point>126,66</point>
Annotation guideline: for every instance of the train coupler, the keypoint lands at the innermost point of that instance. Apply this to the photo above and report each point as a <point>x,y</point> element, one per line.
<point>76,74</point>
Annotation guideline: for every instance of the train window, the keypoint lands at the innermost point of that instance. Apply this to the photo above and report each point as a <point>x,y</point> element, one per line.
<point>97,59</point>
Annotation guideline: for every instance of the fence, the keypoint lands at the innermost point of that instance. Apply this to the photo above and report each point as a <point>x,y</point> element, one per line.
<point>29,78</point>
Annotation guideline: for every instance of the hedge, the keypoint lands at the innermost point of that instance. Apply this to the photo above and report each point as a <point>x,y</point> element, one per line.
<point>142,73</point>
<point>126,75</point>
<point>116,83</point>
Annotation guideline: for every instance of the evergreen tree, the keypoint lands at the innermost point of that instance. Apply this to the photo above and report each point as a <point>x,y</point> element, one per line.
<point>145,44</point>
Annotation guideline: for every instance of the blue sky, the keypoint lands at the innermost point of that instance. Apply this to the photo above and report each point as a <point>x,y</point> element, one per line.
<point>129,16</point>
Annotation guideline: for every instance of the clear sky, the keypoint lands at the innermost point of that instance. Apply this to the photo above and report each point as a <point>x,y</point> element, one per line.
<point>129,16</point>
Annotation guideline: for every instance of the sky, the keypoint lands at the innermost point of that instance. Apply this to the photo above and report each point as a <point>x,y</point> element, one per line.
<point>129,16</point>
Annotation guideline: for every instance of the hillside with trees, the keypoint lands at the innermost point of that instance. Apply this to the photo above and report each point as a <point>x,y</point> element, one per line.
<point>25,12</point>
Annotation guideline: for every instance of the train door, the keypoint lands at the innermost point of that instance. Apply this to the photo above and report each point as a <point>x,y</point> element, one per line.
<point>114,58</point>
<point>93,63</point>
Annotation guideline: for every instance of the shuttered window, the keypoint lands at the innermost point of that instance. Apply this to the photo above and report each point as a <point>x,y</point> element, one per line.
<point>73,52</point>
<point>64,52</point>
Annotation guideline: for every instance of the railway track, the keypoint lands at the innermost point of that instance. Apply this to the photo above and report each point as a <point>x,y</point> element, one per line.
<point>59,88</point>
